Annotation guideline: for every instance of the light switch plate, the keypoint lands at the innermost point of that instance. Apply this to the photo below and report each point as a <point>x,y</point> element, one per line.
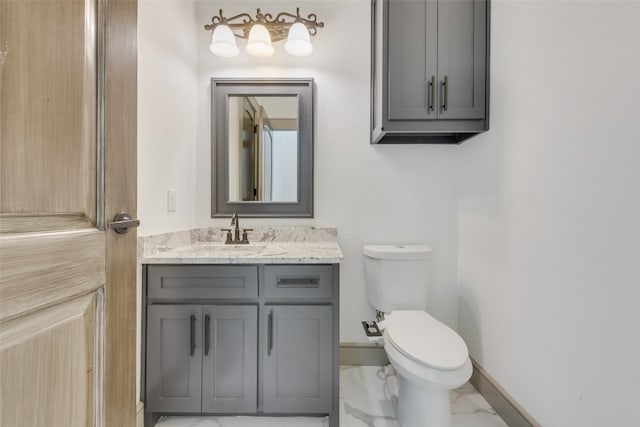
<point>171,200</point>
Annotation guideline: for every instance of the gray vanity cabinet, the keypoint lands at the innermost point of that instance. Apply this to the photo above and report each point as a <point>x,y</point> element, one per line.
<point>298,359</point>
<point>430,70</point>
<point>241,339</point>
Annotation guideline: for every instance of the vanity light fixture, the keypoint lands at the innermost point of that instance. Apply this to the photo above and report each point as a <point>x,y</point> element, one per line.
<point>261,31</point>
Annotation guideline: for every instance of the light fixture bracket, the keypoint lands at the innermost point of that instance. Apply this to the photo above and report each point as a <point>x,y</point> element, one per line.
<point>278,27</point>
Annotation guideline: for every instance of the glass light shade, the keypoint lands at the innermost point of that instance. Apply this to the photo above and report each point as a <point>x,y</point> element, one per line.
<point>223,42</point>
<point>298,43</point>
<point>259,43</point>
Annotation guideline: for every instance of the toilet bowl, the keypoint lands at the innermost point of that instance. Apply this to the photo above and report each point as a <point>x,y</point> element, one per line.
<point>429,357</point>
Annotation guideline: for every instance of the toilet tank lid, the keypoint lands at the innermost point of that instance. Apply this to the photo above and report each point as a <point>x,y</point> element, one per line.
<point>397,251</point>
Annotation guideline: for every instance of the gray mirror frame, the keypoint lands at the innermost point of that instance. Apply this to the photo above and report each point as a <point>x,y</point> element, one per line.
<point>221,89</point>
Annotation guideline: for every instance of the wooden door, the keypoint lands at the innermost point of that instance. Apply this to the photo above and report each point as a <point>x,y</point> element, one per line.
<point>67,166</point>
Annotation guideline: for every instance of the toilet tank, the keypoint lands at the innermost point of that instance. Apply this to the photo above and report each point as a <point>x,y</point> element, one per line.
<point>397,276</point>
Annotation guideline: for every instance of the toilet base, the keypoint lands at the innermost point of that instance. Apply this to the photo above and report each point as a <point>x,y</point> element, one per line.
<point>422,407</point>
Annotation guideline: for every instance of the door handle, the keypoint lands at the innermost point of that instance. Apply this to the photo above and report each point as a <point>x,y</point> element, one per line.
<point>270,334</point>
<point>445,93</point>
<point>207,343</point>
<point>192,336</point>
<point>432,93</point>
<point>298,282</point>
<point>123,222</point>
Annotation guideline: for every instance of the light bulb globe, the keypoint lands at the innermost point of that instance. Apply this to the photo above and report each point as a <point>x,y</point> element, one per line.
<point>223,42</point>
<point>259,43</point>
<point>299,42</point>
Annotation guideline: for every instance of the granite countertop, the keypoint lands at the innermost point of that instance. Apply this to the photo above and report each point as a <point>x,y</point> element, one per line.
<point>272,245</point>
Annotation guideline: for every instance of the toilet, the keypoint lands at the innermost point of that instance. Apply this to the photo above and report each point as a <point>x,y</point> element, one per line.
<point>429,357</point>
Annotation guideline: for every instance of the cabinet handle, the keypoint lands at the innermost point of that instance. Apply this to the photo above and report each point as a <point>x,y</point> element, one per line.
<point>432,93</point>
<point>445,93</point>
<point>192,343</point>
<point>207,343</point>
<point>270,334</point>
<point>298,282</point>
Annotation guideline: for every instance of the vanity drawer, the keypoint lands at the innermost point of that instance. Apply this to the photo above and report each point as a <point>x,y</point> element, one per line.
<point>202,281</point>
<point>298,281</point>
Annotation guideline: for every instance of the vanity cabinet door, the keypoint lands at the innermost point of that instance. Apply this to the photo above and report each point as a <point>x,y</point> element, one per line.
<point>230,361</point>
<point>174,358</point>
<point>298,356</point>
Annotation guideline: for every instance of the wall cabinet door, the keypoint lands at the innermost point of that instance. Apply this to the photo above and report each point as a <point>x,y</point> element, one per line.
<point>412,59</point>
<point>174,358</point>
<point>462,33</point>
<point>298,357</point>
<point>230,361</point>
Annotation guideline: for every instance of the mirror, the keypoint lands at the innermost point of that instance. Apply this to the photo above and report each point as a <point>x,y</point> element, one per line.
<point>262,147</point>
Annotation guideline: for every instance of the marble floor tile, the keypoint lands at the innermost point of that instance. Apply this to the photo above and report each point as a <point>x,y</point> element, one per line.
<point>368,395</point>
<point>367,399</point>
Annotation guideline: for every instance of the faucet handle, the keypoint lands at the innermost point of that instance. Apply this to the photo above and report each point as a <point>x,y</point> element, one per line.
<point>245,238</point>
<point>229,236</point>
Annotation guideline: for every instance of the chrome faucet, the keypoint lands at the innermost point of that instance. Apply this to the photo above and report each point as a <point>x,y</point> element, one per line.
<point>235,221</point>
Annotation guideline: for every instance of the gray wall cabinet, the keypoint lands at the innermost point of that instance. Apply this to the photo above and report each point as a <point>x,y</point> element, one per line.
<point>248,339</point>
<point>429,70</point>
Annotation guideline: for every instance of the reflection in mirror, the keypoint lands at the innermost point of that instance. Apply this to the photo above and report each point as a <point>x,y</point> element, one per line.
<point>263,148</point>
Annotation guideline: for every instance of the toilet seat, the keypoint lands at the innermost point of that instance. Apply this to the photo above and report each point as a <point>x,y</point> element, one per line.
<point>425,340</point>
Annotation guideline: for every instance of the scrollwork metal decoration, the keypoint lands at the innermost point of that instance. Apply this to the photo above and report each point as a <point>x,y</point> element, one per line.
<point>278,27</point>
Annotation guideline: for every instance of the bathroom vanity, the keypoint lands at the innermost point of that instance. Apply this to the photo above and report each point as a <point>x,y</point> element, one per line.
<point>241,329</point>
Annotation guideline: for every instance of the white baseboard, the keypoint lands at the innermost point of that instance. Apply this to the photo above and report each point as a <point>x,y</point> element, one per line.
<point>358,354</point>
<point>509,410</point>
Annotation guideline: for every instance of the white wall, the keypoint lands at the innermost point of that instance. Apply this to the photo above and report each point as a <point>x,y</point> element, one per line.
<point>167,84</point>
<point>549,213</point>
<point>372,194</point>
